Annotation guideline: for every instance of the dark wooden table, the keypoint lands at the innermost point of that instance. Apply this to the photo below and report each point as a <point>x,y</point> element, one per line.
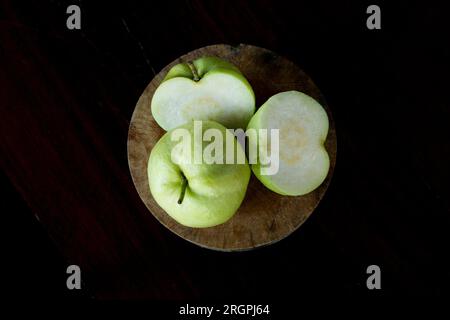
<point>66,101</point>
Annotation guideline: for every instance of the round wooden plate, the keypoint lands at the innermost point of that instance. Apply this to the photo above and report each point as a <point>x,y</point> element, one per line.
<point>264,216</point>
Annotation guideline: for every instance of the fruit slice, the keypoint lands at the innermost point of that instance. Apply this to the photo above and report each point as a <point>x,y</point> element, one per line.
<point>206,89</point>
<point>303,128</point>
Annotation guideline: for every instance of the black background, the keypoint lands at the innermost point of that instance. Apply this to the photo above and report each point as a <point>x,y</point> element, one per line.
<point>388,202</point>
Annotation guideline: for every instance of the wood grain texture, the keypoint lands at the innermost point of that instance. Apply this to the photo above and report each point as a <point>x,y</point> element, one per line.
<point>264,216</point>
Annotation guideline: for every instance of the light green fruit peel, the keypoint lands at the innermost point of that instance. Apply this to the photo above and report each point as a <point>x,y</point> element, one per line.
<point>213,192</point>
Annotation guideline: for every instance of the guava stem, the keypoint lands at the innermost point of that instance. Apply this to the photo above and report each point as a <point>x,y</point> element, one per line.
<point>194,71</point>
<point>183,189</point>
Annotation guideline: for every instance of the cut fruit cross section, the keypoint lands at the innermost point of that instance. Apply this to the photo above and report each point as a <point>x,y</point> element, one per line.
<point>303,127</point>
<point>205,89</point>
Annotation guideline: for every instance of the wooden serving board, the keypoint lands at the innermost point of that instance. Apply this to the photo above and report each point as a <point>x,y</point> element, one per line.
<point>264,216</point>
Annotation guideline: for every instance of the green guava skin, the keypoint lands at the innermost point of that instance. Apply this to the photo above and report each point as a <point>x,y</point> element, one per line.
<point>213,192</point>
